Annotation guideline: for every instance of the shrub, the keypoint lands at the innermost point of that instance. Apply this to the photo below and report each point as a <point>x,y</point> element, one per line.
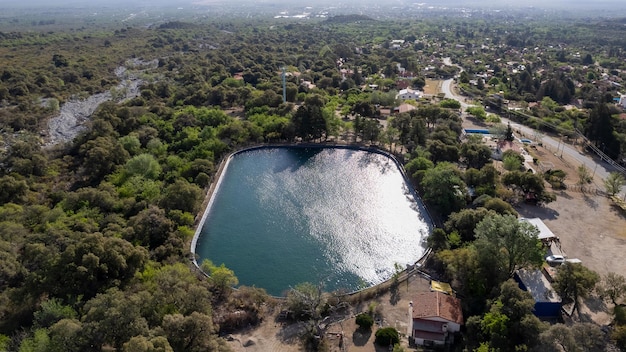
<point>364,321</point>
<point>387,336</point>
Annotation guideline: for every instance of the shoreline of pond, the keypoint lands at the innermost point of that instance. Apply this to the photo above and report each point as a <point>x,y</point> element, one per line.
<point>218,177</point>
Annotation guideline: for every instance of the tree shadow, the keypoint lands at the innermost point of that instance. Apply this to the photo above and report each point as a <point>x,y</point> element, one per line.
<point>595,304</point>
<point>292,332</point>
<point>361,336</point>
<point>394,296</point>
<point>535,211</point>
<point>564,194</point>
<point>592,203</point>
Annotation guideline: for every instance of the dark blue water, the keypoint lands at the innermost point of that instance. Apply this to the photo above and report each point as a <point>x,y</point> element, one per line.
<point>341,217</point>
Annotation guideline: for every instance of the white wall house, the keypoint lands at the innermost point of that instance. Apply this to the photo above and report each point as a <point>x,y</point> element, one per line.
<point>622,101</point>
<point>409,93</point>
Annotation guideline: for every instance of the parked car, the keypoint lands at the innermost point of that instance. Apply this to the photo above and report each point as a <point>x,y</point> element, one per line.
<point>554,260</point>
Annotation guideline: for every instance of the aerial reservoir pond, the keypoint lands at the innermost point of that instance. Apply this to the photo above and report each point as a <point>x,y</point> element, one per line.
<point>336,216</point>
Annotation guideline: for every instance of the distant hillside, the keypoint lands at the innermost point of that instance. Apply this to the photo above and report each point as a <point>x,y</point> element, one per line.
<point>349,19</point>
<point>177,25</point>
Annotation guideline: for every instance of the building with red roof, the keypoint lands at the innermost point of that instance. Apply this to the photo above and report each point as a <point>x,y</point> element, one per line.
<point>435,317</point>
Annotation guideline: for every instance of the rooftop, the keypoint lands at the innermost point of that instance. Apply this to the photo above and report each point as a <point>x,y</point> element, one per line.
<point>437,305</point>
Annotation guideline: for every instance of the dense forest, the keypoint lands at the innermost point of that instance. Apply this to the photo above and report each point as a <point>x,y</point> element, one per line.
<point>95,230</point>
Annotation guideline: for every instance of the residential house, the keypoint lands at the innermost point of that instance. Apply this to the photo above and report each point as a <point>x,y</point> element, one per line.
<point>547,302</point>
<point>403,108</point>
<point>622,101</point>
<point>408,93</point>
<point>435,316</point>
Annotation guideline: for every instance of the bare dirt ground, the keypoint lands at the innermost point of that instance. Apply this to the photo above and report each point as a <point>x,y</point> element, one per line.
<point>391,307</point>
<point>432,87</point>
<point>588,226</point>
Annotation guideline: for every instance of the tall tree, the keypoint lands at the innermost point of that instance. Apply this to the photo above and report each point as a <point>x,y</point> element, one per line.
<point>600,130</point>
<point>505,244</point>
<point>574,282</point>
<point>614,182</point>
<point>444,188</point>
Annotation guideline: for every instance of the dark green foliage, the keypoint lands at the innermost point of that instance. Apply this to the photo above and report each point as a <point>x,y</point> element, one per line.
<point>387,336</point>
<point>476,155</point>
<point>574,282</point>
<point>364,321</point>
<point>599,129</point>
<point>12,189</point>
<point>444,189</point>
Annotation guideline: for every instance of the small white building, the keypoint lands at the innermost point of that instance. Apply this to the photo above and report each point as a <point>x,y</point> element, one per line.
<point>622,101</point>
<point>406,94</point>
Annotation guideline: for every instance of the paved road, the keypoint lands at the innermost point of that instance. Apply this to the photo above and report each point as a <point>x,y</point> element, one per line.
<point>599,169</point>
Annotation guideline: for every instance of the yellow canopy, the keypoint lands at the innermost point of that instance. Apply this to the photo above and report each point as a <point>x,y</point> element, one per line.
<point>441,287</point>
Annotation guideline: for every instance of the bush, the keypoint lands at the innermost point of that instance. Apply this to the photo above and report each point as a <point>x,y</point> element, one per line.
<point>387,336</point>
<point>364,321</point>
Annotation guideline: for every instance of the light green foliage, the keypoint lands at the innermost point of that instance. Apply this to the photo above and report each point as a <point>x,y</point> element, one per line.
<point>450,104</point>
<point>222,278</point>
<point>500,206</point>
<point>40,342</point>
<point>273,125</point>
<point>477,112</point>
<point>614,182</point>
<point>52,311</point>
<point>417,167</point>
<point>131,143</point>
<point>144,165</point>
<point>584,175</point>
<point>509,324</point>
<point>493,118</point>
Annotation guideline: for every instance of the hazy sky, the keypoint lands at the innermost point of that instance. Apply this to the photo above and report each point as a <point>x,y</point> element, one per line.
<point>615,8</point>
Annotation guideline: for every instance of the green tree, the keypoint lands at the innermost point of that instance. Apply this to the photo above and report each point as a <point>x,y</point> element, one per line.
<point>613,287</point>
<point>477,112</point>
<point>52,311</point>
<point>599,129</point>
<point>12,189</point>
<point>476,155</point>
<point>192,333</point>
<point>113,318</point>
<point>524,183</point>
<point>450,104</point>
<point>574,282</point>
<point>505,244</point>
<point>465,221</point>
<point>182,195</point>
<point>306,300</point>
<point>144,165</point>
<point>444,188</point>
<point>222,278</point>
<point>614,182</point>
<point>387,336</point>
<point>364,321</point>
<point>584,176</point>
